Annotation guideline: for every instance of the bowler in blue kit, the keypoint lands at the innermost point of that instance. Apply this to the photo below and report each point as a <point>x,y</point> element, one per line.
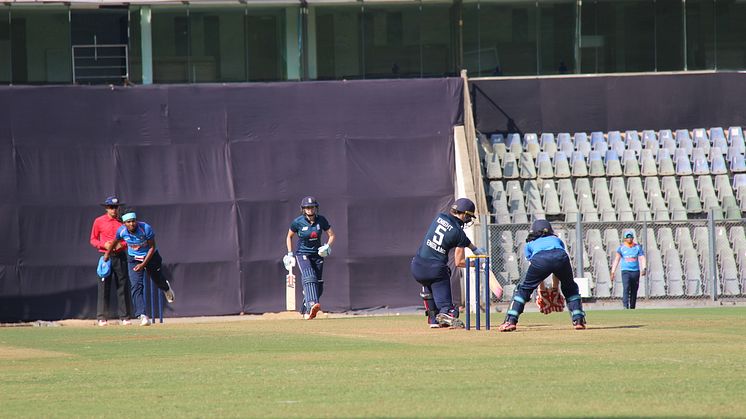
<point>309,253</point>
<point>430,264</point>
<point>547,255</point>
<point>142,255</point>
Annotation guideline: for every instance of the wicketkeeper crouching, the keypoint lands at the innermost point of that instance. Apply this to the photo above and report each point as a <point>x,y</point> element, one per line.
<point>547,255</point>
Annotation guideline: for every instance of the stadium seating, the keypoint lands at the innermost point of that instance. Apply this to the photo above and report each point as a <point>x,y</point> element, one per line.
<point>669,178</point>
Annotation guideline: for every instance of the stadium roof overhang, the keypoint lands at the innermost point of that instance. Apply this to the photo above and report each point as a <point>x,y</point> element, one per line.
<point>93,3</point>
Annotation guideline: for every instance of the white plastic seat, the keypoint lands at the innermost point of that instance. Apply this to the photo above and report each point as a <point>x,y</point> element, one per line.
<point>582,144</point>
<point>494,167</point>
<point>674,273</point>
<point>564,143</point>
<point>548,144</point>
<point>579,167</point>
<point>510,166</point>
<point>647,163</point>
<point>683,166</point>
<point>528,170</point>
<point>544,166</point>
<point>596,164</point>
<point>630,165</point>
<point>550,199</point>
<point>561,166</point>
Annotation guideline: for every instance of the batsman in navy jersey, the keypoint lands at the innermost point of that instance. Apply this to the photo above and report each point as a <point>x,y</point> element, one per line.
<point>430,265</point>
<point>309,253</point>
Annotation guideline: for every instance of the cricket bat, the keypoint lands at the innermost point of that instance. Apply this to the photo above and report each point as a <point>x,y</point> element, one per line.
<point>290,290</point>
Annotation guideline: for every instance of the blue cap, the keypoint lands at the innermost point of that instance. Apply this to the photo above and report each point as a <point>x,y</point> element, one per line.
<point>112,200</point>
<point>464,205</point>
<point>629,235</point>
<point>104,268</point>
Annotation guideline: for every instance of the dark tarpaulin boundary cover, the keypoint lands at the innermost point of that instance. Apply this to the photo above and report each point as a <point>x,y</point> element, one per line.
<point>219,171</point>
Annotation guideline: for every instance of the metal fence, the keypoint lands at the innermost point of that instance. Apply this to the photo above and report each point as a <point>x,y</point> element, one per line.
<point>100,64</point>
<point>688,259</point>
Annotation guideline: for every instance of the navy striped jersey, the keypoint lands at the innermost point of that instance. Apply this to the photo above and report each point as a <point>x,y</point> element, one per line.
<point>444,234</point>
<point>309,235</point>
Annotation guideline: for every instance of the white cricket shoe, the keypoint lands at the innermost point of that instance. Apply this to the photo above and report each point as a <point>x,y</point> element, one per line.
<point>102,322</point>
<point>170,297</point>
<point>125,322</point>
<point>144,320</point>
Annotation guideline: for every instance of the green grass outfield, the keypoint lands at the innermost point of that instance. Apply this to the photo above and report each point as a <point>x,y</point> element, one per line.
<point>665,362</point>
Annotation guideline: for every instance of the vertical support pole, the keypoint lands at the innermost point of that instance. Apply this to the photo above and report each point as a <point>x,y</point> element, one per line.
<point>487,293</point>
<point>160,306</point>
<point>467,289</point>
<point>152,297</point>
<point>713,255</point>
<point>645,246</point>
<point>145,292</point>
<point>146,45</point>
<point>477,309</point>
<point>578,247</point>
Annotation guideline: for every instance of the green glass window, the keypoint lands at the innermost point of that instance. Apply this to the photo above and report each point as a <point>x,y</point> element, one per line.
<point>266,47</point>
<point>700,34</point>
<point>391,40</point>
<point>5,51</point>
<point>557,36</point>
<point>170,37</point>
<point>40,56</point>
<point>335,42</point>
<point>617,36</point>
<point>669,35</point>
<point>217,43</point>
<point>731,34</point>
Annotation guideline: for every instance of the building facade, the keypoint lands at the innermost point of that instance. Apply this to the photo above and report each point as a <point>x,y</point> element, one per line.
<point>101,41</point>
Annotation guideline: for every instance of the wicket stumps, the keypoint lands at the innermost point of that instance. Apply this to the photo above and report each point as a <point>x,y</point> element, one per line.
<point>149,293</point>
<point>478,267</point>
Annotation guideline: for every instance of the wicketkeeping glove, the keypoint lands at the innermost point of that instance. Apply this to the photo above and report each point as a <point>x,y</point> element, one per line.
<point>550,300</point>
<point>289,261</point>
<point>325,251</point>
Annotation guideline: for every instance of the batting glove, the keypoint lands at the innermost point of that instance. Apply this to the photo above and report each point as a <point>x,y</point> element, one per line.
<point>289,261</point>
<point>480,251</point>
<point>325,251</point>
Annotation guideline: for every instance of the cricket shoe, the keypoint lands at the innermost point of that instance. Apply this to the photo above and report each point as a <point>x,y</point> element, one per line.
<point>314,311</point>
<point>170,297</point>
<point>579,324</point>
<point>144,320</point>
<point>125,322</point>
<point>507,327</point>
<point>445,319</point>
<point>102,323</point>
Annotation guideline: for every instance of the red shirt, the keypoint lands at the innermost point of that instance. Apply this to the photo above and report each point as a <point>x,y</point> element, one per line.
<point>104,230</point>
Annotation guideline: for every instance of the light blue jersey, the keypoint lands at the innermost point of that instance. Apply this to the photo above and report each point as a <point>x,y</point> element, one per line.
<point>137,242</point>
<point>630,257</point>
<point>541,244</point>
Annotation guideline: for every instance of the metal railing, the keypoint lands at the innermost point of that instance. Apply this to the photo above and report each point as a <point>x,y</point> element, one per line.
<point>100,64</point>
<point>687,259</point>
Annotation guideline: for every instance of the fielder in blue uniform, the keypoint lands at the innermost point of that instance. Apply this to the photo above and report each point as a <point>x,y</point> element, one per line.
<point>547,255</point>
<point>142,255</point>
<point>309,253</point>
<point>430,265</point>
<point>633,262</point>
